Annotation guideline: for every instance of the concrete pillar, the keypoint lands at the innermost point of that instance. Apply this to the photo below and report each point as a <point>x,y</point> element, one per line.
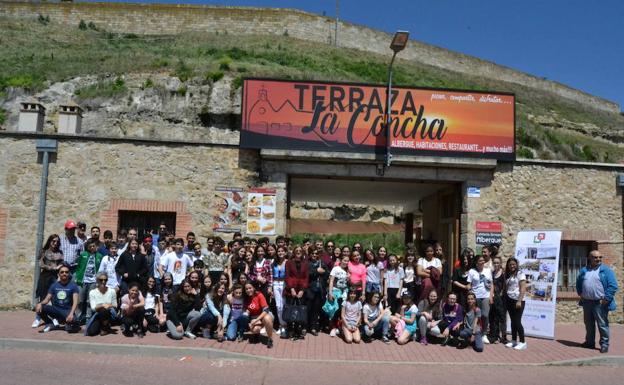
<point>31,117</point>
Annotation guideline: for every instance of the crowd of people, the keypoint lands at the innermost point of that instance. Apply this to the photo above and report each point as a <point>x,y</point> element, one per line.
<point>254,289</point>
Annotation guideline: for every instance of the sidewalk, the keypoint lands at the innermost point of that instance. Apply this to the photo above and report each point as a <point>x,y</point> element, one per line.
<point>16,332</point>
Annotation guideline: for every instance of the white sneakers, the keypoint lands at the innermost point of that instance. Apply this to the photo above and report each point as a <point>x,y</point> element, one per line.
<point>37,321</point>
<point>190,335</point>
<point>333,333</point>
<point>521,346</point>
<point>516,345</point>
<point>485,340</point>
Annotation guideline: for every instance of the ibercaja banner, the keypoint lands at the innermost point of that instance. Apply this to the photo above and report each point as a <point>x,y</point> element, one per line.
<point>322,116</point>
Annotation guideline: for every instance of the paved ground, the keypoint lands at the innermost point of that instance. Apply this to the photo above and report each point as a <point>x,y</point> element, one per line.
<point>43,367</point>
<point>16,334</point>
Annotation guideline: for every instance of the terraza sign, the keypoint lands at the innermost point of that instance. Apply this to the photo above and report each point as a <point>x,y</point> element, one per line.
<point>350,117</point>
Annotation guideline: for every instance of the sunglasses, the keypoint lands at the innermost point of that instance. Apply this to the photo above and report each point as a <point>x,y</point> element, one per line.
<point>102,280</point>
<point>64,272</point>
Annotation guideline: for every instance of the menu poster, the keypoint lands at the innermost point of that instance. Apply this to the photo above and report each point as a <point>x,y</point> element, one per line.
<point>227,205</point>
<point>261,211</point>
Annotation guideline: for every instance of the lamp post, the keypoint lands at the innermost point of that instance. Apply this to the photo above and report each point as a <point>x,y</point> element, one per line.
<point>399,41</point>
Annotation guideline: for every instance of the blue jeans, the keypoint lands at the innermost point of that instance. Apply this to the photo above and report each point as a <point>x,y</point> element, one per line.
<point>371,287</point>
<point>478,341</point>
<point>595,313</point>
<point>381,329</point>
<point>237,327</point>
<point>50,311</point>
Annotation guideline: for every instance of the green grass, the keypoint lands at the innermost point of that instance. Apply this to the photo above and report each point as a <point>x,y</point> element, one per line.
<point>394,242</point>
<point>35,53</point>
<point>102,89</point>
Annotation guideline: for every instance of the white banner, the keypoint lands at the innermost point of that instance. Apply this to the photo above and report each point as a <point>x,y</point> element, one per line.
<point>537,252</point>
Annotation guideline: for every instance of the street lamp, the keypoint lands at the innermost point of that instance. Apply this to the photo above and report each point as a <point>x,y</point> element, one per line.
<point>399,41</point>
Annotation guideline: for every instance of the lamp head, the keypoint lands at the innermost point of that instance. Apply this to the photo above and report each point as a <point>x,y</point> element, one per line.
<point>399,41</point>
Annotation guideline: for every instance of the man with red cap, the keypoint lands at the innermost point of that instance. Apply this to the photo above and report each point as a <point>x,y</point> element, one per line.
<point>71,246</point>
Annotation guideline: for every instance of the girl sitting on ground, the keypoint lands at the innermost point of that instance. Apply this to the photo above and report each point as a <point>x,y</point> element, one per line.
<point>405,323</point>
<point>430,316</point>
<point>375,319</point>
<point>351,317</point>
<point>471,331</point>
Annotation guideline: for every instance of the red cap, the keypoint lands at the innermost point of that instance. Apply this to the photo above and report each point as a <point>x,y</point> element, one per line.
<point>147,239</point>
<point>70,224</point>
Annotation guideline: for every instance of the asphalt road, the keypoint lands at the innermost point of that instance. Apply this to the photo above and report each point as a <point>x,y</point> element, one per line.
<point>49,367</point>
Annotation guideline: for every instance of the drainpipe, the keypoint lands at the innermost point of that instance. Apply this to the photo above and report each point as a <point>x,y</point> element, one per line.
<point>45,147</point>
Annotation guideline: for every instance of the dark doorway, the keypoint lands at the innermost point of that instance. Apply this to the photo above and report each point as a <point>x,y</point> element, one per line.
<point>146,221</point>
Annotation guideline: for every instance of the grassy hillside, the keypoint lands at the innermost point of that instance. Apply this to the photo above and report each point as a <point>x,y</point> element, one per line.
<point>35,53</point>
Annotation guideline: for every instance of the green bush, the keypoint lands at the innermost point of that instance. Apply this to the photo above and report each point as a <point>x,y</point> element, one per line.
<point>224,63</point>
<point>214,76</point>
<point>82,25</point>
<point>237,82</point>
<point>103,89</point>
<point>183,71</point>
<point>394,242</point>
<point>525,153</point>
<point>3,116</point>
<point>28,82</point>
<point>92,26</point>
<point>43,20</point>
<point>148,84</point>
<point>160,63</point>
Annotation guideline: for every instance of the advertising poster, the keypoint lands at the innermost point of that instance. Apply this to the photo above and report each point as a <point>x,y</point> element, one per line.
<point>324,116</point>
<point>228,205</point>
<point>261,211</point>
<point>538,257</point>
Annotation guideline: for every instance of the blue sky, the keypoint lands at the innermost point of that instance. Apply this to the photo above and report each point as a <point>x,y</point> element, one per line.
<point>574,42</point>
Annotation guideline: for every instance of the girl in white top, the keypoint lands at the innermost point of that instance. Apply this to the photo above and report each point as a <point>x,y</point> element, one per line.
<point>351,318</point>
<point>514,302</point>
<point>480,284</point>
<point>409,267</point>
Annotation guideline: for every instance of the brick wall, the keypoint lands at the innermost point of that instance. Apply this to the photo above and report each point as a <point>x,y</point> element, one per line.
<point>109,219</point>
<point>159,19</point>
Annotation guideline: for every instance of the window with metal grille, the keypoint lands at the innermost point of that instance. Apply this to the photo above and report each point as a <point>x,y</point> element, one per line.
<point>146,221</point>
<point>572,257</point>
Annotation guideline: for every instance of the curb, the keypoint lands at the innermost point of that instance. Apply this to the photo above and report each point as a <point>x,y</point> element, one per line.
<point>123,349</point>
<point>590,361</point>
<point>217,354</point>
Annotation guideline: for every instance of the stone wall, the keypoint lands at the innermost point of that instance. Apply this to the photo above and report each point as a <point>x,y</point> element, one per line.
<point>161,19</point>
<point>584,202</point>
<point>88,176</point>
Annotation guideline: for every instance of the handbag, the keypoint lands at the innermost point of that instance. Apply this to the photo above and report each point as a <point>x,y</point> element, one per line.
<point>295,312</point>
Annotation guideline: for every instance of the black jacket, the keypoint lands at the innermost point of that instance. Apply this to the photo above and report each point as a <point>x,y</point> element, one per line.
<point>136,267</point>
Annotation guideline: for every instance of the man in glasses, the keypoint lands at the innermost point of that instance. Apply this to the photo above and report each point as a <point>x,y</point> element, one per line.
<point>596,285</point>
<point>103,301</point>
<point>63,296</point>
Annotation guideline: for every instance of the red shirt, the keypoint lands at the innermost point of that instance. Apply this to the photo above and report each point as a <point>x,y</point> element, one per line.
<point>256,304</point>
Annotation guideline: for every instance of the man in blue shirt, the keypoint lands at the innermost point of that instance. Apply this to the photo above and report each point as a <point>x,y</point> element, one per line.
<point>64,297</point>
<point>596,285</point>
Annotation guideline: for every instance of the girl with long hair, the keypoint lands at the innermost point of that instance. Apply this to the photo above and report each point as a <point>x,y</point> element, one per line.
<point>515,283</point>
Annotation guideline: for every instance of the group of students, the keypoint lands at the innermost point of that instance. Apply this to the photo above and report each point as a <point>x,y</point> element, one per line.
<point>252,287</point>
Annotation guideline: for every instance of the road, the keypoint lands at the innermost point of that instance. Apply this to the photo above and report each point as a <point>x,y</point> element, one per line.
<point>47,367</point>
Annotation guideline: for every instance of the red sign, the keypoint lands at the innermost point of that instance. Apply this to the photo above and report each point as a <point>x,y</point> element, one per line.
<point>496,227</point>
<point>350,117</point>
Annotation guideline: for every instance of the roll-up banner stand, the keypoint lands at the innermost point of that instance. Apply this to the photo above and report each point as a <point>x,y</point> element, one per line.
<point>537,252</point>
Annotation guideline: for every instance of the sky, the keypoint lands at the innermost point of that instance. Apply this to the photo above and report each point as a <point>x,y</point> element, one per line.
<point>574,42</point>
